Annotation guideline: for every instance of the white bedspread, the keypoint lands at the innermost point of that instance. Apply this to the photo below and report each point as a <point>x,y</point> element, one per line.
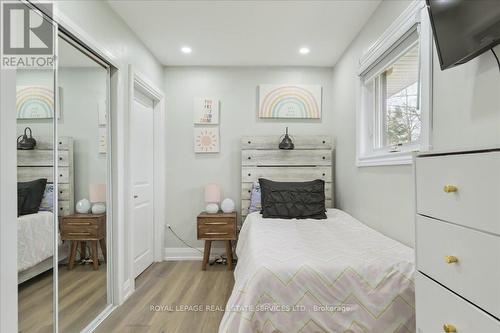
<point>34,239</point>
<point>334,275</point>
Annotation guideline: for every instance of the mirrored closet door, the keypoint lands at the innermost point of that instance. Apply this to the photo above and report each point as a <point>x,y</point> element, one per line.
<point>64,187</point>
<point>83,159</point>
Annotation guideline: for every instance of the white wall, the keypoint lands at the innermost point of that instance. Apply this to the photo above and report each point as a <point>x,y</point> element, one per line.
<point>236,87</point>
<point>82,89</point>
<point>466,114</point>
<point>97,20</point>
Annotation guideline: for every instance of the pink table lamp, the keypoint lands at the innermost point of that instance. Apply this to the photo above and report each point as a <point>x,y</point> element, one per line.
<point>212,198</point>
<point>97,195</point>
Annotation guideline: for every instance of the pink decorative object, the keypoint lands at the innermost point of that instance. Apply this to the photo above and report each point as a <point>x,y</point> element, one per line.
<point>212,193</point>
<point>97,195</point>
<point>212,198</point>
<point>97,192</point>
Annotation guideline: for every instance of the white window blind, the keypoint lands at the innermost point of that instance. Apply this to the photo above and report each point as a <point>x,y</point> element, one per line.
<point>404,43</point>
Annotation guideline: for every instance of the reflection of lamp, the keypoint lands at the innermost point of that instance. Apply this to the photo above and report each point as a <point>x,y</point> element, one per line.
<point>286,143</point>
<point>212,198</point>
<point>26,143</point>
<point>97,195</point>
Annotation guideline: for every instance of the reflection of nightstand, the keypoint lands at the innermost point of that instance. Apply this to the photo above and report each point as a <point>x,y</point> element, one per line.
<point>83,228</point>
<point>217,227</point>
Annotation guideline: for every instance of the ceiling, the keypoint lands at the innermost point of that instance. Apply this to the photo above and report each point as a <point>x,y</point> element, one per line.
<point>246,33</point>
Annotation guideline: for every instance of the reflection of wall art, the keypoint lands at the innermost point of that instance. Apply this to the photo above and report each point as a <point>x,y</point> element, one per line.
<point>101,113</point>
<point>206,111</point>
<point>206,140</point>
<point>36,102</point>
<point>290,101</point>
<point>103,140</point>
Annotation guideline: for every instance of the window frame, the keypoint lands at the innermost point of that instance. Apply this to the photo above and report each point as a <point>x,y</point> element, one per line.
<point>369,99</point>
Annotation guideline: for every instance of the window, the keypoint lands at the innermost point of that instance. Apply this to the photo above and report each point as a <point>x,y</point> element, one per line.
<point>395,86</point>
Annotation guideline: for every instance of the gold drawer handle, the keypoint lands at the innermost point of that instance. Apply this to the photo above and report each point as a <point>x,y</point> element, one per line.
<point>79,223</point>
<point>450,259</point>
<point>449,328</point>
<point>216,233</point>
<point>79,233</point>
<point>450,188</point>
<point>215,223</point>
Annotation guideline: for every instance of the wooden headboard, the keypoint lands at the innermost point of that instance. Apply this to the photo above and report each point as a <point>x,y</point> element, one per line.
<point>260,158</point>
<point>38,163</point>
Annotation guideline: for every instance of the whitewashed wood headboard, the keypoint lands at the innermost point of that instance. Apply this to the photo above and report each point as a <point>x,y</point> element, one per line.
<point>38,163</point>
<point>261,158</point>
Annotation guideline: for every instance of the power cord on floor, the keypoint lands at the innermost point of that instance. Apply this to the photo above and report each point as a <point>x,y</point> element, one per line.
<point>222,260</point>
<point>182,240</point>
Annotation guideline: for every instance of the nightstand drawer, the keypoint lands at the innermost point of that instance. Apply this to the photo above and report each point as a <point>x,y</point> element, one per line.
<point>217,231</point>
<point>215,222</point>
<point>80,232</point>
<point>81,222</point>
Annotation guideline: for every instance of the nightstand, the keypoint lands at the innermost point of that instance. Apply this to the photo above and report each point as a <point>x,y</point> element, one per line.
<point>217,227</point>
<point>80,229</point>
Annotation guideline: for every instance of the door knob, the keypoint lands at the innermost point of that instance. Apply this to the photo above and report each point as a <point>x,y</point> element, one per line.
<point>135,196</point>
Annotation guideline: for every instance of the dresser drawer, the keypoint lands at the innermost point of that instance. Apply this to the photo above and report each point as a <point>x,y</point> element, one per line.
<point>475,203</point>
<point>476,274</point>
<point>437,306</point>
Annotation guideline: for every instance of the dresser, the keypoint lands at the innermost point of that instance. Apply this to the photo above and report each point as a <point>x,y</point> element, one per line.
<point>458,242</point>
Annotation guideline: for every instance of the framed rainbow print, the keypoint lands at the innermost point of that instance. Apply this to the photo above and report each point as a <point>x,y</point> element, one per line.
<point>290,101</point>
<point>34,102</point>
<point>206,139</point>
<point>206,111</point>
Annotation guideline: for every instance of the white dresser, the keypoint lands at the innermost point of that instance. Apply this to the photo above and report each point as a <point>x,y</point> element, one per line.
<point>458,242</point>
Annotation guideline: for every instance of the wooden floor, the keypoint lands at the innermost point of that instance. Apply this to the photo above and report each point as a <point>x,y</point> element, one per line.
<point>173,285</point>
<point>82,296</point>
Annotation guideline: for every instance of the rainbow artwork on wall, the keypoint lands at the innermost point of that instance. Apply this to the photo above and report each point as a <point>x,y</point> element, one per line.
<point>34,102</point>
<point>290,101</point>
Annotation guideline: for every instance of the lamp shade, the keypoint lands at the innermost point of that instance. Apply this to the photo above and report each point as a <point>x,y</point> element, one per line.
<point>97,192</point>
<point>212,193</point>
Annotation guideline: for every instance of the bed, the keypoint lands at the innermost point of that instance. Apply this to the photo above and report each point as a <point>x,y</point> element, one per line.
<point>35,231</point>
<point>329,275</point>
<point>333,275</point>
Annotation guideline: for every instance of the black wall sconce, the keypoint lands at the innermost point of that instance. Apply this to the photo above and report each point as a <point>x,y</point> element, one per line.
<point>26,143</point>
<point>286,143</point>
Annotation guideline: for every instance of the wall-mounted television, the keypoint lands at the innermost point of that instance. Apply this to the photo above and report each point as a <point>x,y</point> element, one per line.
<point>463,29</point>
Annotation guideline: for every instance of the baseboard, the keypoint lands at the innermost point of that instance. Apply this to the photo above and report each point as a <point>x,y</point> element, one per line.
<point>186,253</point>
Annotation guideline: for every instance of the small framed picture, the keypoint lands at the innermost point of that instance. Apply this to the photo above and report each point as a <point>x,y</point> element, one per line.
<point>206,111</point>
<point>206,140</point>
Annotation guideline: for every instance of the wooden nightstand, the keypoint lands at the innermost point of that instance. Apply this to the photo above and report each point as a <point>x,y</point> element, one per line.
<point>217,227</point>
<point>82,228</point>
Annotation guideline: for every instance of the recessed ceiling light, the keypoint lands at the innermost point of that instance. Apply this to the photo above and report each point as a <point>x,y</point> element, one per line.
<point>186,49</point>
<point>304,50</point>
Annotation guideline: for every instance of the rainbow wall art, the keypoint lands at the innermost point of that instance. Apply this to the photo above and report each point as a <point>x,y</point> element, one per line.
<point>290,101</point>
<point>34,102</point>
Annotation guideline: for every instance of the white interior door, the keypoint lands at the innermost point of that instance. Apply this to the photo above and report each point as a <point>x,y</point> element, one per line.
<point>141,144</point>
